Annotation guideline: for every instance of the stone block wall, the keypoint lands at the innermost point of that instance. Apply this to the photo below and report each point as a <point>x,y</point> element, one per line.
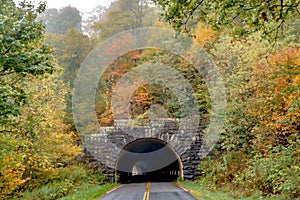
<point>106,145</point>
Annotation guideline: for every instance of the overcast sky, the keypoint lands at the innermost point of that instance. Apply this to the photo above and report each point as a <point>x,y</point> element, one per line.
<point>81,5</point>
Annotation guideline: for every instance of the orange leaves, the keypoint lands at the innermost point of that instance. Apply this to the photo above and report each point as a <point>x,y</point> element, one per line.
<point>296,80</point>
<point>285,56</point>
<point>276,83</point>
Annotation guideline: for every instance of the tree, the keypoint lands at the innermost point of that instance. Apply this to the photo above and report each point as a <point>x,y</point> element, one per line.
<point>276,99</point>
<point>240,17</point>
<point>33,139</point>
<point>22,54</point>
<point>70,51</point>
<point>39,142</point>
<point>59,21</point>
<point>124,15</point>
<point>96,15</point>
<point>235,61</point>
<point>47,18</point>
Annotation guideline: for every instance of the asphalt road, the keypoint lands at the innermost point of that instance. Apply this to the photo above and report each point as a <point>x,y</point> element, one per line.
<point>156,191</point>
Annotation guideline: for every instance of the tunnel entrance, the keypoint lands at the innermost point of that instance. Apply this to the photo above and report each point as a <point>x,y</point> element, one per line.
<point>148,159</point>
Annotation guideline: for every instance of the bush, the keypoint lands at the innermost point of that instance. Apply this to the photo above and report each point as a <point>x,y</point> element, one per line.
<point>277,173</point>
<point>69,180</point>
<point>222,170</point>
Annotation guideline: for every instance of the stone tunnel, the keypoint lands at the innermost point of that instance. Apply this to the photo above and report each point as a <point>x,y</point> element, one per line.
<point>125,152</point>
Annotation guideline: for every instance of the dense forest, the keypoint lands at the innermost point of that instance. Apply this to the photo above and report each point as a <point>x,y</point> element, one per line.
<point>254,44</point>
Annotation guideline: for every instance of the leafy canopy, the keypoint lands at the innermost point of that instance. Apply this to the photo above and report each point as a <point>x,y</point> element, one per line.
<point>22,53</point>
<point>59,21</point>
<point>240,16</point>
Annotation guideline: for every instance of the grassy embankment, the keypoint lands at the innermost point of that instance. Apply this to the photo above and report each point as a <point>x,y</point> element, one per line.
<point>92,193</point>
<point>204,193</point>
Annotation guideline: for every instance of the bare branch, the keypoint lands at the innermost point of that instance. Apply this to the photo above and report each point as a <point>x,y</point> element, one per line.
<point>191,14</point>
<point>7,50</point>
<point>276,36</point>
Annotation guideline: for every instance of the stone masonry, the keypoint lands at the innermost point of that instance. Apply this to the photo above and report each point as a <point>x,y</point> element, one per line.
<point>106,145</point>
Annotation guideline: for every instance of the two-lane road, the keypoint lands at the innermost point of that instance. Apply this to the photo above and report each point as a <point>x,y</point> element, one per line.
<point>149,191</point>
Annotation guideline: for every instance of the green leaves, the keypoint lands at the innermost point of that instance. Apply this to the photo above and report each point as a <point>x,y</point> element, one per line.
<point>22,53</point>
<point>21,35</point>
<point>11,98</point>
<point>239,17</point>
<point>276,173</point>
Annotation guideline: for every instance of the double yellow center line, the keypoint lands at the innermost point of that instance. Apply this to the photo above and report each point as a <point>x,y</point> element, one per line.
<point>147,192</point>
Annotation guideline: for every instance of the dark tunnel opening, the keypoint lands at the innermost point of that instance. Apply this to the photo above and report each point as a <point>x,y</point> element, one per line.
<point>146,160</point>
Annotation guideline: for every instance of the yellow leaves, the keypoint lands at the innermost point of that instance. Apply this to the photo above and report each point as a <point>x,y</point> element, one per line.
<point>58,146</point>
<point>296,80</point>
<point>41,141</point>
<point>204,34</point>
<point>11,172</point>
<point>278,7</point>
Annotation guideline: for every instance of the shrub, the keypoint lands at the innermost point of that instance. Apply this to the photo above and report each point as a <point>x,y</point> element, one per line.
<point>69,180</point>
<point>277,173</point>
<point>222,170</point>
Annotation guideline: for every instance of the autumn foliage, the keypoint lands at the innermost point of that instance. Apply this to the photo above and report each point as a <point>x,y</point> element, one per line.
<point>259,148</point>
<point>275,103</point>
<point>39,143</point>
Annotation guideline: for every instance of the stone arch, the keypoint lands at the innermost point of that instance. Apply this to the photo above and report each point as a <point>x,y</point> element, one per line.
<point>106,146</point>
<point>137,160</point>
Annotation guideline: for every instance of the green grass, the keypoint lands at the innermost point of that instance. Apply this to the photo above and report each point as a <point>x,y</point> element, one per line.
<point>203,193</point>
<point>91,193</point>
